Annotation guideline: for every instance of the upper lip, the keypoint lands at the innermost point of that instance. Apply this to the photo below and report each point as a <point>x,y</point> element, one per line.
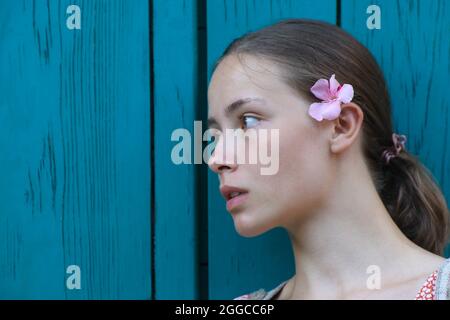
<point>227,190</point>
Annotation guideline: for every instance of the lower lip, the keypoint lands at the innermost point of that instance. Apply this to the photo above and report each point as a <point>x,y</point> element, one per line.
<point>236,201</point>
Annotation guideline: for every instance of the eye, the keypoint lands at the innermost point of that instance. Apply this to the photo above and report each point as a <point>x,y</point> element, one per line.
<point>249,121</point>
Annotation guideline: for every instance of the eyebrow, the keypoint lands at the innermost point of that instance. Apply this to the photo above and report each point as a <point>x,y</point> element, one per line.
<point>233,107</point>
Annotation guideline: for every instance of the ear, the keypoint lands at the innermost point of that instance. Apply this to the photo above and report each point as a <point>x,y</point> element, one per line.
<point>346,127</point>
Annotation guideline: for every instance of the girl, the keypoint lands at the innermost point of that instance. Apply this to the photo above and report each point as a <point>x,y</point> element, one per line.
<point>349,194</point>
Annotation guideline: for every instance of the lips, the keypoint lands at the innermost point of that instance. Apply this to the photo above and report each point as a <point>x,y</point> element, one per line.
<point>229,192</point>
<point>234,196</point>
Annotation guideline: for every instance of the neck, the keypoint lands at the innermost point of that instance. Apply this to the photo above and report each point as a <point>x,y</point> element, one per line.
<point>336,245</point>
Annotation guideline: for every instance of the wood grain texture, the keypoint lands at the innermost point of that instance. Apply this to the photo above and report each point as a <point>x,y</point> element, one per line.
<point>413,50</point>
<point>75,141</point>
<point>236,263</point>
<point>176,239</point>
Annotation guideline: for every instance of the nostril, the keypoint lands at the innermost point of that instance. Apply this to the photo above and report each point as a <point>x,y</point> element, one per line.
<point>222,167</point>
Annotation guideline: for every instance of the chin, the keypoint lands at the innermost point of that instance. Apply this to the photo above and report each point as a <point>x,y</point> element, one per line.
<point>249,229</point>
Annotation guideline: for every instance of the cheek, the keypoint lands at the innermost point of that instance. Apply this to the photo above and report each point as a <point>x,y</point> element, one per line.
<point>301,183</point>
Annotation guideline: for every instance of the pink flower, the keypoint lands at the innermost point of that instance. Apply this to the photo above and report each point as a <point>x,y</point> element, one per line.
<point>332,95</point>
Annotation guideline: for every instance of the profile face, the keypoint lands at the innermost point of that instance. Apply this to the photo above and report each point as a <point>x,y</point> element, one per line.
<point>305,170</point>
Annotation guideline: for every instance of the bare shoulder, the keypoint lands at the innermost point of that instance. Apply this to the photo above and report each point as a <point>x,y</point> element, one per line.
<point>431,262</point>
<point>429,266</point>
<point>425,265</point>
<point>420,262</point>
<point>413,277</point>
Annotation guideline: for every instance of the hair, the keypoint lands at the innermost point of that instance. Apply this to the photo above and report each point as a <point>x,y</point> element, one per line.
<point>307,50</point>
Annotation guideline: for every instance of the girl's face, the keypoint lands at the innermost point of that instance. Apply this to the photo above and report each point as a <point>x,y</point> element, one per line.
<point>304,175</point>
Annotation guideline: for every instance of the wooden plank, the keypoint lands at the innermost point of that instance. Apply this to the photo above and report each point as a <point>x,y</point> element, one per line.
<point>239,265</point>
<point>412,49</point>
<point>175,66</point>
<point>75,161</point>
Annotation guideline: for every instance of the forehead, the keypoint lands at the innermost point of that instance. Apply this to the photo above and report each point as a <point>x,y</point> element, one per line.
<point>236,78</point>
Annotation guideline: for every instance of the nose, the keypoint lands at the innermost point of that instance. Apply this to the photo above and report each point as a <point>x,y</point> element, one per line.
<point>222,159</point>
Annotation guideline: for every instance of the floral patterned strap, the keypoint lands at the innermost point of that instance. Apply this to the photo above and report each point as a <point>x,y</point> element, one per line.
<point>427,290</point>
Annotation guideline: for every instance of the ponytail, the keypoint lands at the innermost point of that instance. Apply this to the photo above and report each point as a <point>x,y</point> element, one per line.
<point>415,202</point>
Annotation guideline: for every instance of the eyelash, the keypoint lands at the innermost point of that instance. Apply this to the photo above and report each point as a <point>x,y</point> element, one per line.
<point>243,117</point>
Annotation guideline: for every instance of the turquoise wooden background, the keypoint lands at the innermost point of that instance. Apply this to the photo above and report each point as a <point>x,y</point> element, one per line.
<point>86,118</point>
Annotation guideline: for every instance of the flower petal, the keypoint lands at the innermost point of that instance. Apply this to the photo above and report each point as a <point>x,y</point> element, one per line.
<point>334,85</point>
<point>345,94</point>
<point>321,90</point>
<point>331,110</point>
<point>325,110</point>
<point>315,111</point>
